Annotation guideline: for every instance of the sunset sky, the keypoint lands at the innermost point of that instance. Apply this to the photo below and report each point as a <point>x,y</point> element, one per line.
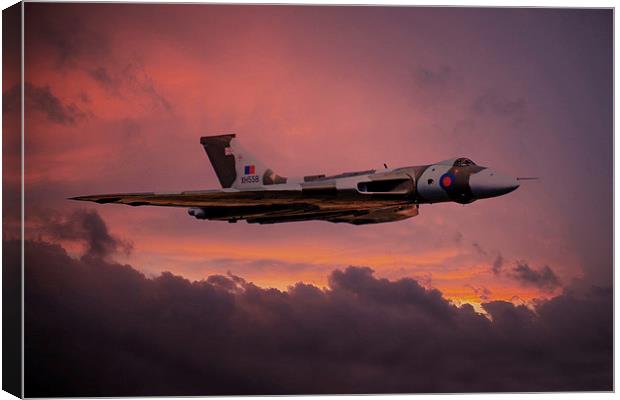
<point>117,97</point>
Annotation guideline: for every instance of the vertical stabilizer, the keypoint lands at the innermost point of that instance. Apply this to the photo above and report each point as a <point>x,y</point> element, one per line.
<point>222,160</point>
<point>234,166</point>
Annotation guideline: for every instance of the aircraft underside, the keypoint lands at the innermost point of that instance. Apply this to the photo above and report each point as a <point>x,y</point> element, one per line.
<point>268,207</point>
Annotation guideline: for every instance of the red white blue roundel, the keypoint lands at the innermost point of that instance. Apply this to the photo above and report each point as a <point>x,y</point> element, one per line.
<point>446,180</point>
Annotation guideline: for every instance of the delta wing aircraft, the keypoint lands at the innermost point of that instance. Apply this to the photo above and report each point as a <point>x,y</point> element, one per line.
<point>253,192</point>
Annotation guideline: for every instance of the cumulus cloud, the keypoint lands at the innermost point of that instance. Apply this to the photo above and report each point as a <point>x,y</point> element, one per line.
<point>118,333</point>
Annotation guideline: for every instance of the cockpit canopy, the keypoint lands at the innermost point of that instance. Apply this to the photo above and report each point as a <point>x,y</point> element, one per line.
<point>463,162</point>
<point>458,162</point>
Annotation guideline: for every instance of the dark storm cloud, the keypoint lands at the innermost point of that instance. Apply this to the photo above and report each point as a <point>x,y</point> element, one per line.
<point>40,99</point>
<point>116,332</point>
<point>544,278</point>
<point>85,226</point>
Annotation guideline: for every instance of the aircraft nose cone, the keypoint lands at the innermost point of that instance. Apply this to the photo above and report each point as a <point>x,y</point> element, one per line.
<point>489,183</point>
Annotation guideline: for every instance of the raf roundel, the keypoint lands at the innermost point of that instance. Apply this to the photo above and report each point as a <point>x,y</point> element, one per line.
<point>446,180</point>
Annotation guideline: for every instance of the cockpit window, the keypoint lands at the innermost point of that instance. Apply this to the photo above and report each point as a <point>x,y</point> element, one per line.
<point>463,162</point>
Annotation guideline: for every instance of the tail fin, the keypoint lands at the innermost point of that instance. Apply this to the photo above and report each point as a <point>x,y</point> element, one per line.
<point>234,166</point>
